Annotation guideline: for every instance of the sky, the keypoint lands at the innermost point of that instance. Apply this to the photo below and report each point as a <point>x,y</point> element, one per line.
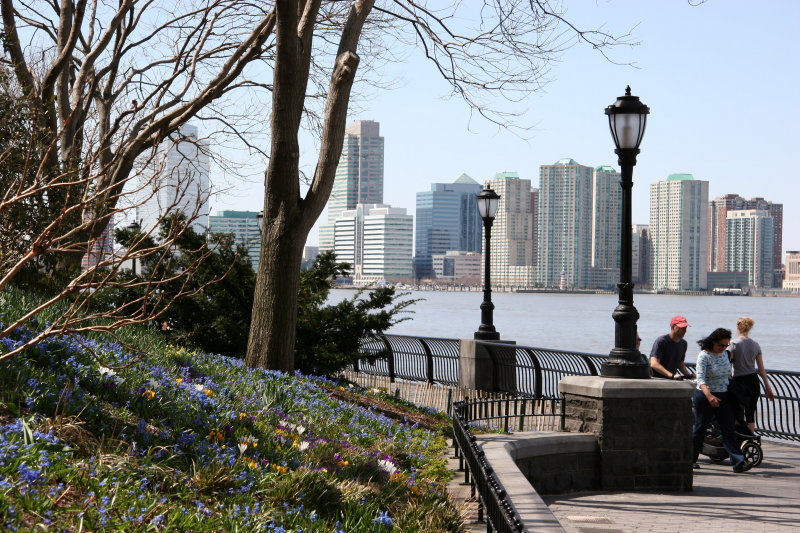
<point>722,80</point>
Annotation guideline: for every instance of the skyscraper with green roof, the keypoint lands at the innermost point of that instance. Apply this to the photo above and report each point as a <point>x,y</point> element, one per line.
<point>565,223</point>
<point>679,233</point>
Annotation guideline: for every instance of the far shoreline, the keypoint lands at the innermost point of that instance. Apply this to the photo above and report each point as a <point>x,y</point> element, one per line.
<point>758,293</point>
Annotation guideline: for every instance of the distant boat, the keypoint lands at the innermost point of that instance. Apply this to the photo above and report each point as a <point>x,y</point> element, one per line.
<point>720,291</point>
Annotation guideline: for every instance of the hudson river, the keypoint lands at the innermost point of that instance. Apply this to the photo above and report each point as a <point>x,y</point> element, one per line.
<point>583,323</point>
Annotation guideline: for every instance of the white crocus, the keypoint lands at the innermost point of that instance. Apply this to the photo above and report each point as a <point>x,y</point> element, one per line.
<point>387,466</point>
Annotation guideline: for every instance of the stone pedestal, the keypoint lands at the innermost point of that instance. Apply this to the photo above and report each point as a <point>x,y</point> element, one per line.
<point>477,370</point>
<point>643,429</point>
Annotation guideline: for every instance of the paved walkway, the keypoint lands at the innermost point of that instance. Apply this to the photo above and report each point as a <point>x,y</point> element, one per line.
<point>766,498</point>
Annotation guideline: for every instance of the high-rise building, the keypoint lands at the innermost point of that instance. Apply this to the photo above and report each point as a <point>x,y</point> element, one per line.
<point>174,179</point>
<point>244,227</point>
<point>606,224</point>
<point>640,254</point>
<point>359,176</point>
<point>749,241</point>
<point>565,223</point>
<point>679,233</point>
<point>791,281</point>
<point>377,240</point>
<point>717,222</point>
<point>512,242</point>
<point>535,224</point>
<point>447,220</point>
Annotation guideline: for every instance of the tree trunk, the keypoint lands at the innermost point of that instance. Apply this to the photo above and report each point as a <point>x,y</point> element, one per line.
<point>272,330</point>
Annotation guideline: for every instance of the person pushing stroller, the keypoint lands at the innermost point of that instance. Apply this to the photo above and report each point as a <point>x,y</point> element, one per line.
<point>711,398</point>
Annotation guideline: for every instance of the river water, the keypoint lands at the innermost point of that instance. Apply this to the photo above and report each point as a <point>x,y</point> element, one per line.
<point>582,322</point>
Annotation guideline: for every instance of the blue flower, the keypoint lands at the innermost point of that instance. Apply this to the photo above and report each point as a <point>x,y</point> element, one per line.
<point>383,519</point>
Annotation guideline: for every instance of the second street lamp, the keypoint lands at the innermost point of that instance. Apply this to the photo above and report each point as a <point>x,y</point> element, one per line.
<point>487,207</point>
<point>627,118</point>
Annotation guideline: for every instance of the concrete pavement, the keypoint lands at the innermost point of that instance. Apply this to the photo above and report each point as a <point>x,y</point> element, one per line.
<point>767,498</point>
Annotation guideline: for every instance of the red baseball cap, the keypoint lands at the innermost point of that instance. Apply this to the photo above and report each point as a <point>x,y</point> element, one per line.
<point>679,321</point>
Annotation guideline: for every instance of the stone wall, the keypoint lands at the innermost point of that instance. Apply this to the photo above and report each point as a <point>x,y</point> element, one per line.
<point>643,429</point>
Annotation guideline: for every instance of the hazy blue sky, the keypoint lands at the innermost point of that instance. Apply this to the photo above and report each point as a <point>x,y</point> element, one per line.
<point>720,78</point>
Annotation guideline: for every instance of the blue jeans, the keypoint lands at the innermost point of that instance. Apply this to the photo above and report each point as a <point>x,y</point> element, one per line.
<point>704,414</point>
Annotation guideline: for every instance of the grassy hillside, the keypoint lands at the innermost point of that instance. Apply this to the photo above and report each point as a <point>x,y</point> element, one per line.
<point>97,437</point>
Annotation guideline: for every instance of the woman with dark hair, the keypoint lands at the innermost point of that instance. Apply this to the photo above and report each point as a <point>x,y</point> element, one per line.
<point>710,400</point>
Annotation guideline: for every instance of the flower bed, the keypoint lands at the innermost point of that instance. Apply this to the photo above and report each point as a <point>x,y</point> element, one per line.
<point>94,436</point>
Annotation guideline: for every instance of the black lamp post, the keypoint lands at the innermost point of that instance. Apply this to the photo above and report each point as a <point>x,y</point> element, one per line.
<point>487,207</point>
<point>627,118</point>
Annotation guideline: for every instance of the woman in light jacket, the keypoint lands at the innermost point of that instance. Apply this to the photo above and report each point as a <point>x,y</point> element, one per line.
<point>711,400</point>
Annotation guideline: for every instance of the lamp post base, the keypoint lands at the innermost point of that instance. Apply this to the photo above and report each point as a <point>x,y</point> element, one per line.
<point>617,367</point>
<point>487,335</point>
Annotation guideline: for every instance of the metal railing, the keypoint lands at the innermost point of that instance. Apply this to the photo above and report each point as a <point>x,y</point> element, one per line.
<point>507,413</point>
<point>411,358</point>
<point>536,372</point>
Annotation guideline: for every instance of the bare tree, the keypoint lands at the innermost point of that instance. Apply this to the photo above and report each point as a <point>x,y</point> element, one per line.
<point>109,81</point>
<point>486,48</point>
<point>29,240</point>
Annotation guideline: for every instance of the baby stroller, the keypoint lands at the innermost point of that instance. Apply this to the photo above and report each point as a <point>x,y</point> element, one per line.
<point>715,450</point>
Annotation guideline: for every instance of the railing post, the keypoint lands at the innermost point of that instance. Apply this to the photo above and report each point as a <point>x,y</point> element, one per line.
<point>537,374</point>
<point>429,361</point>
<point>590,365</point>
<point>390,359</point>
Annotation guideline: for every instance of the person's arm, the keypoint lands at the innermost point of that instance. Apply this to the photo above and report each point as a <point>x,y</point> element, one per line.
<point>656,365</point>
<point>702,364</point>
<point>685,370</point>
<point>712,400</point>
<point>763,373</point>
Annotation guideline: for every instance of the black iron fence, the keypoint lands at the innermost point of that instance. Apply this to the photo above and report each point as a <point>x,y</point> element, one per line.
<point>535,372</point>
<point>512,412</point>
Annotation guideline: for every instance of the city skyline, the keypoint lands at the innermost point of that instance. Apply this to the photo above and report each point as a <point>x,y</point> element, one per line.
<point>700,82</point>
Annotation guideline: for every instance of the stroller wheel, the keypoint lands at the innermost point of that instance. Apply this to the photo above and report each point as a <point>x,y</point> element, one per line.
<point>752,452</point>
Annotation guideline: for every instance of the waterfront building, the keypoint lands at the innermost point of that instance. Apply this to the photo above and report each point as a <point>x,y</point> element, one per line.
<point>173,178</point>
<point>310,254</point>
<point>359,176</point>
<point>606,217</point>
<point>640,254</point>
<point>512,242</point>
<point>447,220</point>
<point>377,240</point>
<point>101,248</point>
<point>535,224</point>
<point>565,223</point>
<point>717,223</point>
<point>244,227</point>
<point>749,241</point>
<point>458,265</point>
<point>679,233</point>
<point>791,281</point>
<point>606,224</point>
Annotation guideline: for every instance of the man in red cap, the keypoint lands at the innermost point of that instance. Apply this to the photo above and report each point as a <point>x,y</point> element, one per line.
<point>669,352</point>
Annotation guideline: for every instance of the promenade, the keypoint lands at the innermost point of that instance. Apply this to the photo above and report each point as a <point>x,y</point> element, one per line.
<point>766,498</point>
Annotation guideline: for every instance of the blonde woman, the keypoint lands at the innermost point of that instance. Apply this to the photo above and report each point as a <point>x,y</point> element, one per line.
<point>748,364</point>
